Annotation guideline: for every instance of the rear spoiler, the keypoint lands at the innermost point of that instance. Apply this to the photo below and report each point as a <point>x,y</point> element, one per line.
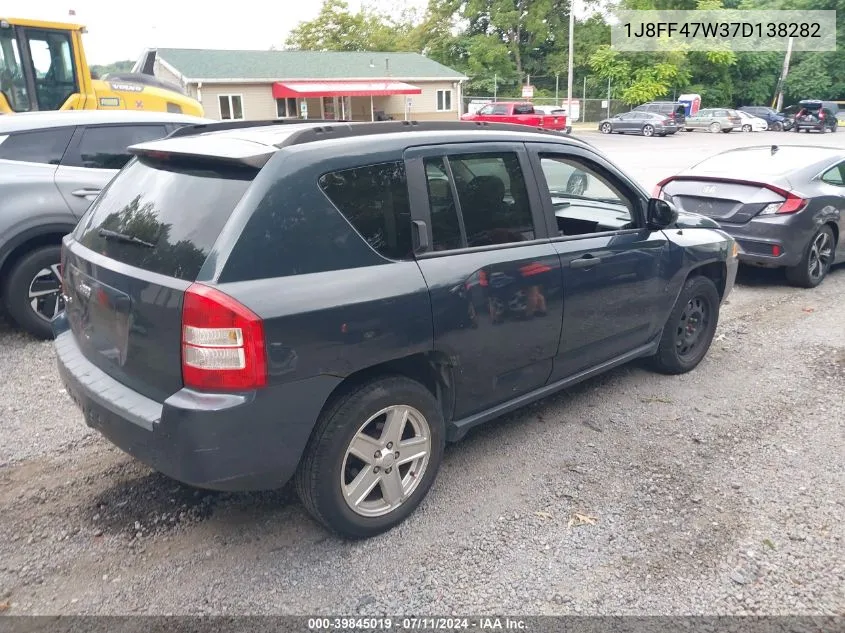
<point>234,152</point>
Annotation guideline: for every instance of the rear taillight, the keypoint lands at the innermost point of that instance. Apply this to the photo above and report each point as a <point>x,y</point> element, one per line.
<point>222,343</point>
<point>792,204</point>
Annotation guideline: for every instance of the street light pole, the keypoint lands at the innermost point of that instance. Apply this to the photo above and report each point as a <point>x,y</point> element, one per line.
<point>569,65</point>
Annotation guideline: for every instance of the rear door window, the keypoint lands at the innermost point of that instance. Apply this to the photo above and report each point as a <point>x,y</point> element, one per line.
<point>374,199</point>
<point>164,219</point>
<point>106,146</point>
<point>40,146</point>
<point>493,200</point>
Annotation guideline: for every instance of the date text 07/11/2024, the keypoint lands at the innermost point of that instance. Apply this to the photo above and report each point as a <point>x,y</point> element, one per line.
<point>723,29</point>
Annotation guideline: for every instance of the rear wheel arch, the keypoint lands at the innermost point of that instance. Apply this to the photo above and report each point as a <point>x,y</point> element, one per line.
<point>27,242</point>
<point>433,370</point>
<point>835,228</point>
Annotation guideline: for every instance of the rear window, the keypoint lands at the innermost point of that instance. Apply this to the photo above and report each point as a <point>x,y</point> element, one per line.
<point>163,219</point>
<point>758,162</point>
<point>41,146</point>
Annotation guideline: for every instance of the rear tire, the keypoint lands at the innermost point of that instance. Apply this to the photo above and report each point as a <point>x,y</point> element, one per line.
<point>330,465</point>
<point>816,262</point>
<point>689,329</point>
<point>35,273</point>
<point>648,130</point>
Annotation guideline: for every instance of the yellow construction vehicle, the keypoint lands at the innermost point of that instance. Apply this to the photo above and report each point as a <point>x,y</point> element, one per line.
<point>43,67</point>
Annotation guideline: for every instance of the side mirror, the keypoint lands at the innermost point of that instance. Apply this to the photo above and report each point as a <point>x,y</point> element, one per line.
<point>661,213</point>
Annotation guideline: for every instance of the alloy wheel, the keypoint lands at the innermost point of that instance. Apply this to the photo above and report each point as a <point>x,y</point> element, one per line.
<point>821,256</point>
<point>385,461</point>
<point>45,293</point>
<point>648,130</point>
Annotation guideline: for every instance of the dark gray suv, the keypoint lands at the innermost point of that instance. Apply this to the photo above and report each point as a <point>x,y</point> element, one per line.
<point>52,165</point>
<point>333,302</point>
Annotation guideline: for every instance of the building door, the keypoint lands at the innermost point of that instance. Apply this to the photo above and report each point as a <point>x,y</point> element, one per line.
<point>329,107</point>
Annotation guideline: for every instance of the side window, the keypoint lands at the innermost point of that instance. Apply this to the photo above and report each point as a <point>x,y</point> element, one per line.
<point>488,109</point>
<point>500,109</point>
<point>835,175</point>
<point>51,56</point>
<point>584,200</point>
<point>374,199</point>
<point>105,147</point>
<point>492,197</point>
<point>523,108</point>
<point>43,146</point>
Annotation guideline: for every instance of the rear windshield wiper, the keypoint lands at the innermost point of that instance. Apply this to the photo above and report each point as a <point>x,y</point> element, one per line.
<point>123,237</point>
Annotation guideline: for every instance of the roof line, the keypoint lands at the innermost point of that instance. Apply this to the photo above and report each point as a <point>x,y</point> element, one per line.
<point>248,80</point>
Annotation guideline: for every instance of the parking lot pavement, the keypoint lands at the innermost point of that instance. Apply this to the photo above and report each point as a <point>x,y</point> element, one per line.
<point>651,159</point>
<point>715,492</point>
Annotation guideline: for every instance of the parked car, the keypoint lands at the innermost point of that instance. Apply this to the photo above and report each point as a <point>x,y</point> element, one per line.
<point>674,110</point>
<point>785,205</point>
<point>752,123</point>
<point>300,300</point>
<point>638,122</point>
<point>714,120</point>
<point>52,165</point>
<point>814,116</point>
<point>522,113</point>
<point>774,119</point>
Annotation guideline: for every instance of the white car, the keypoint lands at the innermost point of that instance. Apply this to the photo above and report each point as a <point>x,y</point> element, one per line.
<point>752,123</point>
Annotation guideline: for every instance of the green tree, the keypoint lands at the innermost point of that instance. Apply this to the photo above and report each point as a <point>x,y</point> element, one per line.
<point>116,67</point>
<point>336,28</point>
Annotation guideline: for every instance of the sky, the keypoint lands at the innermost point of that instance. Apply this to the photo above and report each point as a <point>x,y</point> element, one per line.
<point>122,30</point>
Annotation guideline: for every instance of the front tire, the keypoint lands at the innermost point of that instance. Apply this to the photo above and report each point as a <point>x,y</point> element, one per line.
<point>32,294</point>
<point>606,128</point>
<point>689,329</point>
<point>816,262</point>
<point>372,458</point>
<point>746,128</point>
<point>715,128</point>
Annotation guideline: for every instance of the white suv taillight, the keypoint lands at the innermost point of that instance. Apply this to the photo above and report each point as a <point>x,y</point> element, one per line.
<point>222,343</point>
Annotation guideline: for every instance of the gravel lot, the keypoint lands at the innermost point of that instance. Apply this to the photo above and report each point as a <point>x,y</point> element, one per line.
<point>716,492</point>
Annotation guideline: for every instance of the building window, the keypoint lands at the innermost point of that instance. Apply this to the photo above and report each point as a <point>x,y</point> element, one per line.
<point>444,100</point>
<point>286,108</point>
<point>231,107</point>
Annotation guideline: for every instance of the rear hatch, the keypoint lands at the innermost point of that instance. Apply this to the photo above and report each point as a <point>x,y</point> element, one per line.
<point>133,256</point>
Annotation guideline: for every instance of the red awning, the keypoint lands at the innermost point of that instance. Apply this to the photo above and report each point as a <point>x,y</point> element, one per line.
<point>286,89</point>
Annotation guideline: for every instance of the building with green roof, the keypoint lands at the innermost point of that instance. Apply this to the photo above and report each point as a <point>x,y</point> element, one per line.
<point>254,85</point>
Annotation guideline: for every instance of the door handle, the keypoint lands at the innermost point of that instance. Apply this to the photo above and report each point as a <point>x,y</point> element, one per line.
<point>588,261</point>
<point>84,193</point>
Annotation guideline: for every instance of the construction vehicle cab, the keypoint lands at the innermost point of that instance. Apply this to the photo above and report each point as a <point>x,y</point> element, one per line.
<point>43,67</point>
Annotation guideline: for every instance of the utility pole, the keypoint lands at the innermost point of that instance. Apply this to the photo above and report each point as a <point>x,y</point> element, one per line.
<point>608,97</point>
<point>557,86</point>
<point>783,74</point>
<point>569,65</point>
<point>495,85</point>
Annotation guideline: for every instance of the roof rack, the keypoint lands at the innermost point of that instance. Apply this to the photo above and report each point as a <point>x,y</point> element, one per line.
<point>344,129</point>
<point>201,128</point>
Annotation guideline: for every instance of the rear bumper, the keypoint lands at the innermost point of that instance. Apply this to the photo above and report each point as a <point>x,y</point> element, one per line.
<point>231,442</point>
<point>758,238</point>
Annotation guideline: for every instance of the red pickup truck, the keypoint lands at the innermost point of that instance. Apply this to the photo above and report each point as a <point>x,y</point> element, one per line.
<point>518,112</point>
